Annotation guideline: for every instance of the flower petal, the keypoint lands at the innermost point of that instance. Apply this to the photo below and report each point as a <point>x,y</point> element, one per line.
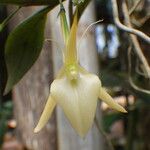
<point>78,99</point>
<point>70,55</point>
<point>103,95</point>
<point>49,107</point>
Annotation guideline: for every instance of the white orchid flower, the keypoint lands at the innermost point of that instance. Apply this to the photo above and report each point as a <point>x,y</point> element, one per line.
<point>75,90</point>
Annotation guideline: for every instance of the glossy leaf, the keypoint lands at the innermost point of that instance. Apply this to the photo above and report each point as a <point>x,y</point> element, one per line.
<point>30,2</point>
<point>23,46</point>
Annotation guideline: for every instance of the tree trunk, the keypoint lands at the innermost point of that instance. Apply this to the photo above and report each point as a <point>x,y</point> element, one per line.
<point>30,96</point>
<point>67,138</point>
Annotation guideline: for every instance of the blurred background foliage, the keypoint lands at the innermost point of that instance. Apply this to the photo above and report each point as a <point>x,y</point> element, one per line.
<point>6,105</point>
<point>113,45</point>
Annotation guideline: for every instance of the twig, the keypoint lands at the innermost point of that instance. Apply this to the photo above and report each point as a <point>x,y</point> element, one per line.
<point>130,130</point>
<point>135,41</point>
<point>134,6</point>
<point>137,88</point>
<point>125,28</point>
<point>138,67</point>
<point>133,85</point>
<point>140,22</point>
<point>104,134</point>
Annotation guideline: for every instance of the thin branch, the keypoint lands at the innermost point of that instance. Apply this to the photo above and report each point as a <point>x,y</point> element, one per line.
<point>140,22</point>
<point>133,85</point>
<point>135,41</point>
<point>134,6</point>
<point>138,67</point>
<point>125,28</point>
<point>104,134</point>
<point>137,87</point>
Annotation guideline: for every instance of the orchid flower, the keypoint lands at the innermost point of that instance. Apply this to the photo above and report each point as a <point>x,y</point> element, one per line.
<point>75,90</point>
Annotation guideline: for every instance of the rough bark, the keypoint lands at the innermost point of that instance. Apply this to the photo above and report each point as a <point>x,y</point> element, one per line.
<point>30,96</point>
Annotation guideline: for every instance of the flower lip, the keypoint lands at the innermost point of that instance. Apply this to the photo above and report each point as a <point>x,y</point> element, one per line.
<point>78,99</point>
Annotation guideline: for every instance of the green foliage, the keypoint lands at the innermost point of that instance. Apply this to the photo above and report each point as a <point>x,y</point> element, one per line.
<point>5,114</point>
<point>23,46</point>
<point>30,2</point>
<point>5,22</point>
<point>25,42</point>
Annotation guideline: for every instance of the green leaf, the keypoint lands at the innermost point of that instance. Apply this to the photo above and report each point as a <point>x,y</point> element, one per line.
<point>6,21</point>
<point>30,2</point>
<point>23,46</point>
<point>81,8</point>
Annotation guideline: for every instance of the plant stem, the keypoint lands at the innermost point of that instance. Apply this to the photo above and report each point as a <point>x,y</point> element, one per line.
<point>104,134</point>
<point>131,125</point>
<point>130,130</point>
